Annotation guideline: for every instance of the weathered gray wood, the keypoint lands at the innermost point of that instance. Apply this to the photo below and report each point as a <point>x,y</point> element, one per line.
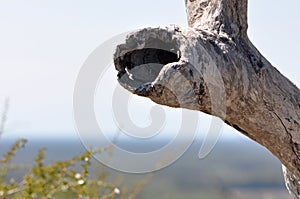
<point>213,67</point>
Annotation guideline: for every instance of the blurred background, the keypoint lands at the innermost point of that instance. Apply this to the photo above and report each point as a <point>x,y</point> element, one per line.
<point>43,45</point>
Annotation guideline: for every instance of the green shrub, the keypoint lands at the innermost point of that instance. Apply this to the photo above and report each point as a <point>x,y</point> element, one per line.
<point>61,179</point>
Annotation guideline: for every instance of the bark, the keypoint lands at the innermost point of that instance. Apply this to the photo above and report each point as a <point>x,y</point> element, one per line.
<point>213,67</point>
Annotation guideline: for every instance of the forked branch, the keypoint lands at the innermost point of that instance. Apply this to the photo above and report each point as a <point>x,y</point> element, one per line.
<point>213,67</point>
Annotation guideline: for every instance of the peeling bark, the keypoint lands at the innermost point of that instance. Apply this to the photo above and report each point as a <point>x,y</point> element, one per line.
<point>213,67</point>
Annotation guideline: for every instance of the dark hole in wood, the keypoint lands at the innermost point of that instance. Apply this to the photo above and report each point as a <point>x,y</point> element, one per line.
<point>149,55</point>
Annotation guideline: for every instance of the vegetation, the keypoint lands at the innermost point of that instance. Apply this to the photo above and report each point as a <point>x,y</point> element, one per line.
<point>63,179</point>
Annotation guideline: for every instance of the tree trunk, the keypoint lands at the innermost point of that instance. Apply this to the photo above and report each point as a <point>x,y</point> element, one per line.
<point>212,67</point>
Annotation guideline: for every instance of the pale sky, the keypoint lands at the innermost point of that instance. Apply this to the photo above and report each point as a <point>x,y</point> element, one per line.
<point>43,44</point>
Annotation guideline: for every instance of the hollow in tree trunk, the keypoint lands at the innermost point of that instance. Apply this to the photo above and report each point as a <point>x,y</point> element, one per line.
<point>211,66</point>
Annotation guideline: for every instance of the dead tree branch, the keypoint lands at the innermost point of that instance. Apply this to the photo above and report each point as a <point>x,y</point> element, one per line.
<point>213,67</point>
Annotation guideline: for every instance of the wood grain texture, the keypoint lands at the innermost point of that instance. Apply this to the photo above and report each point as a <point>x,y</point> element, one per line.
<point>213,67</point>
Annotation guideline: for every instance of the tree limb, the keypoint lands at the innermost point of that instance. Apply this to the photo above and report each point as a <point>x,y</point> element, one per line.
<point>214,68</point>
